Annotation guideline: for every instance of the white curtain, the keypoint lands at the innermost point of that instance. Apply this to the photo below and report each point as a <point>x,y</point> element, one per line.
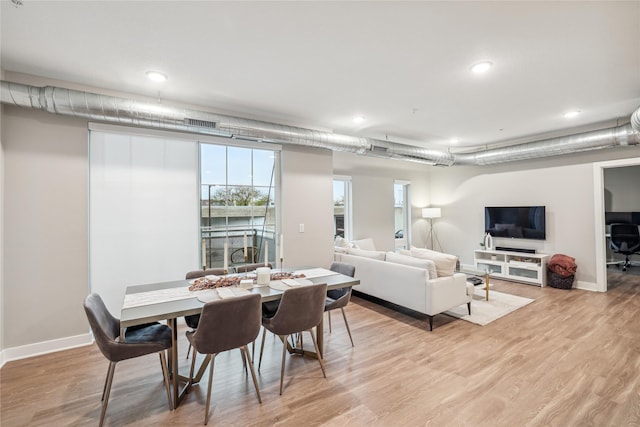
<point>144,219</point>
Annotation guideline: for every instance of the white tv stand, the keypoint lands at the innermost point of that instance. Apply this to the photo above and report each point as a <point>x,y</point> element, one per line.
<point>517,266</point>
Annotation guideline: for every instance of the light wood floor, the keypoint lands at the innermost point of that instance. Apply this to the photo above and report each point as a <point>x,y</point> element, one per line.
<point>570,358</point>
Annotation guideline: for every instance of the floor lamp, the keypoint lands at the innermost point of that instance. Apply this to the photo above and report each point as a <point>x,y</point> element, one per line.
<point>431,213</point>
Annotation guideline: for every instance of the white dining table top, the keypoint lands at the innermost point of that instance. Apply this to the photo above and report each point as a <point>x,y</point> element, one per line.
<point>168,300</point>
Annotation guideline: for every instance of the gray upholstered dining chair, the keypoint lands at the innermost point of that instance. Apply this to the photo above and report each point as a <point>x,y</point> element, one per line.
<point>224,325</point>
<point>139,341</point>
<point>339,298</point>
<point>193,319</point>
<point>300,310</point>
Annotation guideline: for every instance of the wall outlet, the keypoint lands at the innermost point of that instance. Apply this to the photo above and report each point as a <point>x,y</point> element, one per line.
<point>302,228</point>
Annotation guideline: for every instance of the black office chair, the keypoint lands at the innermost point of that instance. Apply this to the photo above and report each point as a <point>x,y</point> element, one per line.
<point>625,240</point>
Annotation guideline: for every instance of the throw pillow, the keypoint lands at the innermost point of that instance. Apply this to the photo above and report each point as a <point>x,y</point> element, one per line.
<point>341,242</point>
<point>365,244</point>
<point>367,254</point>
<point>339,250</point>
<point>445,263</point>
<point>427,264</point>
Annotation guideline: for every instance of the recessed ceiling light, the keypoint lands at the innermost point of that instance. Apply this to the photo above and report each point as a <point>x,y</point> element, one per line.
<point>481,67</point>
<point>454,140</point>
<point>156,76</point>
<point>358,119</point>
<point>571,114</point>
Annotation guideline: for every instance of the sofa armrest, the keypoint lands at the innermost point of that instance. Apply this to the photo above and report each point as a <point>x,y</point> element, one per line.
<point>445,293</point>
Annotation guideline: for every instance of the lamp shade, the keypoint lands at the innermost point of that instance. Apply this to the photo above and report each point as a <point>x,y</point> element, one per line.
<point>431,213</point>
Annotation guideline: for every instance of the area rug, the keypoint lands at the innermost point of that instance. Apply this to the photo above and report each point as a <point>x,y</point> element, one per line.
<point>484,312</point>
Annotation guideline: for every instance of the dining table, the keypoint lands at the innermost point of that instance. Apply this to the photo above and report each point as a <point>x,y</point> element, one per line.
<point>168,301</point>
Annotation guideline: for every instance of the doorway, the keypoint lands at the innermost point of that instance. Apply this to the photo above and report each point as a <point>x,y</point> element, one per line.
<point>601,204</point>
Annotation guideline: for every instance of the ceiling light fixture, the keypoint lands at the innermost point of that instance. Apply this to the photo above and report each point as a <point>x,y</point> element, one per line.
<point>481,67</point>
<point>156,76</point>
<point>454,140</point>
<point>358,119</point>
<point>571,114</point>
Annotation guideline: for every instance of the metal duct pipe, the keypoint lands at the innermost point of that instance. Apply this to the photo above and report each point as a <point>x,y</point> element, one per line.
<point>635,120</point>
<point>131,112</point>
<point>605,138</point>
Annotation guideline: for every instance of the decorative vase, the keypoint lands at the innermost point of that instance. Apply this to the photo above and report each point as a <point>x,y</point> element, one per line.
<point>488,242</point>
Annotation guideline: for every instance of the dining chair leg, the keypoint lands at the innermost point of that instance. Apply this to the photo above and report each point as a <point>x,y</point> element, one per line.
<point>203,367</point>
<point>329,315</point>
<point>106,380</point>
<point>193,365</point>
<point>344,316</point>
<point>107,391</point>
<point>188,351</point>
<point>315,345</point>
<point>244,362</point>
<point>284,357</point>
<point>264,334</point>
<point>165,375</point>
<point>206,411</point>
<point>253,372</point>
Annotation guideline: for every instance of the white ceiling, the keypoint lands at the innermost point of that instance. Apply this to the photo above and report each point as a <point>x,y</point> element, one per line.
<point>403,65</point>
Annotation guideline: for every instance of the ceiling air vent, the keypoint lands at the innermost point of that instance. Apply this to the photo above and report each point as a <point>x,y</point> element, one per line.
<point>379,149</point>
<point>200,123</point>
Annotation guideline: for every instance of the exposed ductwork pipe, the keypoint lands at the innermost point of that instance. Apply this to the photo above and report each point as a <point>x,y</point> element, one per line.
<point>132,112</point>
<point>619,136</point>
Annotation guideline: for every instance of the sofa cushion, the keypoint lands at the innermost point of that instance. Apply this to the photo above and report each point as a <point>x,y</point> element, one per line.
<point>445,263</point>
<point>379,255</point>
<point>427,264</point>
<point>365,244</point>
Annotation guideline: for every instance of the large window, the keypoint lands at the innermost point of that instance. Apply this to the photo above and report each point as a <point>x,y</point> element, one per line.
<point>342,207</point>
<point>237,201</point>
<point>401,214</point>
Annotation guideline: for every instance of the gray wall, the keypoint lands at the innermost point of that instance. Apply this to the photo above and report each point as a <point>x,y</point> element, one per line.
<point>564,184</point>
<point>45,234</point>
<point>45,211</point>
<point>622,189</point>
<point>46,223</point>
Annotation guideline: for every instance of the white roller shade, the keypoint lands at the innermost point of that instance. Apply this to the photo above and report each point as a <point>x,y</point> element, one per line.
<point>143,211</point>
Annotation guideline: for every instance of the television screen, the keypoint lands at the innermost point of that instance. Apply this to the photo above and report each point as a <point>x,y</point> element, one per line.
<point>518,222</point>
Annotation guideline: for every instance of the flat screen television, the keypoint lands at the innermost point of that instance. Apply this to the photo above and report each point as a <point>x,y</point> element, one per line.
<point>516,222</point>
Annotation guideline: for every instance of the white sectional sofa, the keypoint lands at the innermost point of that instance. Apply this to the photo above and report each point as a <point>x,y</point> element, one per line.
<point>408,280</point>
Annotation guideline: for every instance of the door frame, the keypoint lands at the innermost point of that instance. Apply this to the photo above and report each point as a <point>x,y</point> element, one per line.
<point>599,220</point>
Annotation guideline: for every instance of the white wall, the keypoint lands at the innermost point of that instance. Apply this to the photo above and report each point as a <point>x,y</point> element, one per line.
<point>565,185</point>
<point>373,201</point>
<point>1,234</point>
<point>307,198</point>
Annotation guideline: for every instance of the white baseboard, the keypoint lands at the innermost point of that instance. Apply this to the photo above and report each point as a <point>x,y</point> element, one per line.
<point>36,349</point>
<point>586,286</point>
